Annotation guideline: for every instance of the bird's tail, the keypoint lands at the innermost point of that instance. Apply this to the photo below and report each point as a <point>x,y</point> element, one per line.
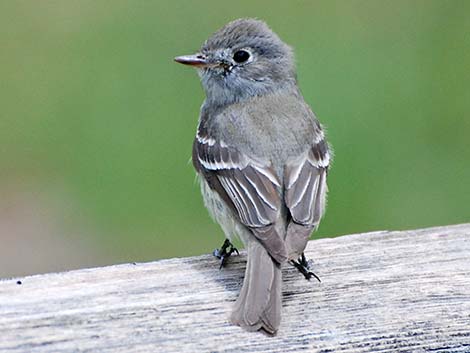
<point>259,303</point>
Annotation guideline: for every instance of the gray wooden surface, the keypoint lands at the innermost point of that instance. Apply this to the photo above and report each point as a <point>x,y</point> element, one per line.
<point>385,291</point>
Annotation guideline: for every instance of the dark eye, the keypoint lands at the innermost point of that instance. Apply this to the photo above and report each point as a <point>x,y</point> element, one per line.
<point>241,56</point>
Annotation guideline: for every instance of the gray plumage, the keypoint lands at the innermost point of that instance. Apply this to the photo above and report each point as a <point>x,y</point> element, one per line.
<point>262,159</point>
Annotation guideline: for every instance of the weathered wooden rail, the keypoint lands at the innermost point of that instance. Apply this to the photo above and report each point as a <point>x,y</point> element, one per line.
<point>405,291</point>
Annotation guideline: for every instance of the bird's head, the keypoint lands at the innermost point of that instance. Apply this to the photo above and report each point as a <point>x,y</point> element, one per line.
<point>245,58</point>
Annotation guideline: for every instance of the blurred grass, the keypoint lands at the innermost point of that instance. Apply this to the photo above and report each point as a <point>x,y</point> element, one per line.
<point>95,112</point>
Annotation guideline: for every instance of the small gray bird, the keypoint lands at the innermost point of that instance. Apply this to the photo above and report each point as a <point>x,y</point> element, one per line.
<point>262,159</point>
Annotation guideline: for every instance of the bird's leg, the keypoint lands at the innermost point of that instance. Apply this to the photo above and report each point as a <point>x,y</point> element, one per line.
<point>303,265</point>
<point>225,251</point>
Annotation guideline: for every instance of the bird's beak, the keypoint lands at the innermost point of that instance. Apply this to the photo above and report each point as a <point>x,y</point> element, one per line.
<point>196,60</point>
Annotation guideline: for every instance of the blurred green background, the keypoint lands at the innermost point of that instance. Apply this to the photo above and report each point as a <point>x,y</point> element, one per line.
<point>97,122</point>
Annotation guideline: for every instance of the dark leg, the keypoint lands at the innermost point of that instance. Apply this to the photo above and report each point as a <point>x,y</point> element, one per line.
<point>225,251</point>
<point>304,267</point>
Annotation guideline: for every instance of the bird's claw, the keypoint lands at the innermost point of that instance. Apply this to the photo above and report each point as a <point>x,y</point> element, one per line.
<point>226,250</point>
<point>304,265</point>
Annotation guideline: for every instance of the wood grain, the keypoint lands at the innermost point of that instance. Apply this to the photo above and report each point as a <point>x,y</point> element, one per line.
<point>406,291</point>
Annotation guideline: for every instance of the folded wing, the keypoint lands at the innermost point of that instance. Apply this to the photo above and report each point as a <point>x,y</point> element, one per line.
<point>305,195</point>
<point>250,188</point>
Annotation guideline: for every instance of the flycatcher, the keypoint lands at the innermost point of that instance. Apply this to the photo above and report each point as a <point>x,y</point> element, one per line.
<point>262,160</point>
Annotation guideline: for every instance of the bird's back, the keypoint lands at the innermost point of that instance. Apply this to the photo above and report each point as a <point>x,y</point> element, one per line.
<point>271,128</point>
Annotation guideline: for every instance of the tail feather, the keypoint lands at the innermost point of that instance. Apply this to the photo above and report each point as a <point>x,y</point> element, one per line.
<point>259,303</point>
<point>297,239</point>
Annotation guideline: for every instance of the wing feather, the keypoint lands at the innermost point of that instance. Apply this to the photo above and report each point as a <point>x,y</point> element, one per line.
<point>305,195</point>
<point>249,187</point>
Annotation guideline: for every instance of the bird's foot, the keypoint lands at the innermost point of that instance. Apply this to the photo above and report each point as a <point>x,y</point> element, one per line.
<point>304,265</point>
<point>225,251</point>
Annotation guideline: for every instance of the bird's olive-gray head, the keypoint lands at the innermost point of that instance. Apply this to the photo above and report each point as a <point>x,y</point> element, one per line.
<point>243,59</point>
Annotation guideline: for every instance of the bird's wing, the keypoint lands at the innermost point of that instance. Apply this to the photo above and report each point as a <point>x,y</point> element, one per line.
<point>249,187</point>
<point>305,194</point>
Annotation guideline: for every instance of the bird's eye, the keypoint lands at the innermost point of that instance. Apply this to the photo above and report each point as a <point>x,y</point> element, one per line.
<point>241,56</point>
